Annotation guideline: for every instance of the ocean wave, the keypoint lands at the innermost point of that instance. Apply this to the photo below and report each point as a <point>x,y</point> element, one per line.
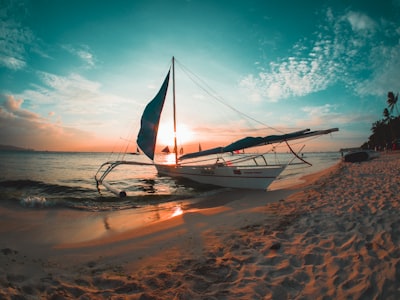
<point>21,183</point>
<point>43,187</point>
<point>40,195</point>
<point>35,201</point>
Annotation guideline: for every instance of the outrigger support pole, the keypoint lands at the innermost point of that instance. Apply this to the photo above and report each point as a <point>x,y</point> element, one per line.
<point>295,154</point>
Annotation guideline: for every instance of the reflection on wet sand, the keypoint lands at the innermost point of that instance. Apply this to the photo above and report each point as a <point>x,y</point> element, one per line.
<point>93,227</point>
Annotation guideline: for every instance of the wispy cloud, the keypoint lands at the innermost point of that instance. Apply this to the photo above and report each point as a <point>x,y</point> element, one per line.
<point>319,110</point>
<point>13,38</point>
<point>297,75</point>
<point>326,115</point>
<point>12,63</point>
<point>360,22</point>
<point>69,85</point>
<point>17,41</point>
<point>332,56</point>
<point>70,94</point>
<point>78,100</point>
<point>386,73</point>
<point>83,52</point>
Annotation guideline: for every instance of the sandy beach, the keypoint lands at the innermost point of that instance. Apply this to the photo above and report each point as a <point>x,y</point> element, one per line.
<point>336,236</point>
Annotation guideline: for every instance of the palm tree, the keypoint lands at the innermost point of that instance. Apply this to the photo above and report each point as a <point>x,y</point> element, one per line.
<point>388,119</point>
<point>380,135</point>
<point>392,102</point>
<point>386,115</point>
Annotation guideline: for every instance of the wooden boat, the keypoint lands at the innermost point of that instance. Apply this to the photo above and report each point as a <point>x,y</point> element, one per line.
<point>358,154</point>
<point>246,171</point>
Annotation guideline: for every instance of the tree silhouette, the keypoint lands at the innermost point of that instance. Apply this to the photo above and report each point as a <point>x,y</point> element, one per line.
<point>392,102</point>
<point>387,115</point>
<point>386,132</point>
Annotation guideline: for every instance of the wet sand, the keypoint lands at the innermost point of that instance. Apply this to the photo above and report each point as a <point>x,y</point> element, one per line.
<point>335,236</point>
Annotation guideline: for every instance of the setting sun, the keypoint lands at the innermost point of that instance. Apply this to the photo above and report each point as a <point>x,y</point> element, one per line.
<point>166,134</point>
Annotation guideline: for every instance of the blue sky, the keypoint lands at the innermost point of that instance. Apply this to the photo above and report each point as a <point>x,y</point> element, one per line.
<point>76,75</point>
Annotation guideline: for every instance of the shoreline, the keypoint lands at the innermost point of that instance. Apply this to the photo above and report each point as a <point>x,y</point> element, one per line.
<point>334,234</point>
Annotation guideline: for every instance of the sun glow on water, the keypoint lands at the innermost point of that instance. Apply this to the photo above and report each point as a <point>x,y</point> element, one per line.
<point>177,211</point>
<point>169,159</point>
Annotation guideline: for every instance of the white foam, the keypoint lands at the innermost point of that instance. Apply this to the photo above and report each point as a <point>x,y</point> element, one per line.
<point>34,201</point>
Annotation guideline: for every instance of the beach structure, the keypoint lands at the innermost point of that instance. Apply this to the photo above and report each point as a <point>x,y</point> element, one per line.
<point>209,166</point>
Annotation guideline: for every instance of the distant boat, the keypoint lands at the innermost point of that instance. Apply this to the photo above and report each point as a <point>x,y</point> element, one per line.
<point>166,150</point>
<point>358,154</point>
<point>247,171</point>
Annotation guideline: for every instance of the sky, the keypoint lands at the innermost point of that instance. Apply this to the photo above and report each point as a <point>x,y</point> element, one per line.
<point>76,75</point>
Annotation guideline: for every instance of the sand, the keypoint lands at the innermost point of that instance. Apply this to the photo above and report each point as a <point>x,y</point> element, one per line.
<point>335,237</point>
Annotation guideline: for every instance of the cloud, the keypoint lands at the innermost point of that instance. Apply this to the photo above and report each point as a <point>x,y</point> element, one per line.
<point>14,38</point>
<point>319,110</point>
<point>77,102</point>
<point>12,63</point>
<point>72,83</point>
<point>21,127</point>
<point>70,94</point>
<point>331,56</point>
<point>326,115</point>
<point>83,52</point>
<point>360,22</point>
<point>386,72</point>
<point>17,40</point>
<point>297,75</point>
<point>13,106</point>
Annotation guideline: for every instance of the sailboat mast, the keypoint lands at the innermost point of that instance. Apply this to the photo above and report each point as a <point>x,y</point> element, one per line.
<point>174,108</point>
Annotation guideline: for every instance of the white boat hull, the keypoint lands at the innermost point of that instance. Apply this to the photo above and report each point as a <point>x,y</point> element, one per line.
<point>246,177</point>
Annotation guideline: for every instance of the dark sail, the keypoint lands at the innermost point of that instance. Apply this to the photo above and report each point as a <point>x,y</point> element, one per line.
<point>147,135</point>
<point>166,150</point>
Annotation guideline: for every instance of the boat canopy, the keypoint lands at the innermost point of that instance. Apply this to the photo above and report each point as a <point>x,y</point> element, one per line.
<point>147,135</point>
<point>249,142</point>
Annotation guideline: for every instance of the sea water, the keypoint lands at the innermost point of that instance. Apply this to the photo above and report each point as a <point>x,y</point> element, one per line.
<point>66,179</point>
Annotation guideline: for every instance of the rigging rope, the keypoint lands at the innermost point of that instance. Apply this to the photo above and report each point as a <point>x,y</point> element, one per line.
<point>206,88</point>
